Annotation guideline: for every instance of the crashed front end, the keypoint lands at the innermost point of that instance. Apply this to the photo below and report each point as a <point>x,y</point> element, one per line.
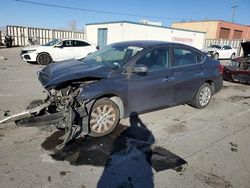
<point>63,106</point>
<point>239,69</point>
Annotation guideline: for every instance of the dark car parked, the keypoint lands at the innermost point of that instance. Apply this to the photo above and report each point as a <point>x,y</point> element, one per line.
<point>122,78</point>
<point>239,69</point>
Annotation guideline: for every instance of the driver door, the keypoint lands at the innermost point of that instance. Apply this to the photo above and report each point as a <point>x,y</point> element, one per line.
<point>152,89</point>
<point>64,51</point>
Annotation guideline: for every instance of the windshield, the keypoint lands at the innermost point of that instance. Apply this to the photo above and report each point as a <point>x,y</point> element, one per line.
<point>114,55</point>
<point>53,42</point>
<point>215,46</point>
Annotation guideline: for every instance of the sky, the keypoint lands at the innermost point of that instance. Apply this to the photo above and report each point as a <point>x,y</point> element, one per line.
<point>19,12</point>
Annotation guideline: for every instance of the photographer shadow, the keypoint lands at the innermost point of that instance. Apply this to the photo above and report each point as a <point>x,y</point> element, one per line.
<point>129,164</point>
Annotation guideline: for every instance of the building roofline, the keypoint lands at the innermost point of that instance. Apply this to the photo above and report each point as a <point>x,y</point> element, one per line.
<point>137,23</point>
<point>212,21</point>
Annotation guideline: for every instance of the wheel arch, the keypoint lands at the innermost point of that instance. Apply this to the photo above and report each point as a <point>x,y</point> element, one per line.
<point>210,82</point>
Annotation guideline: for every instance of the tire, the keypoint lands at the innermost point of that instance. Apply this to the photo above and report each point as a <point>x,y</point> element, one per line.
<point>43,59</point>
<point>232,56</point>
<point>216,56</point>
<point>104,117</point>
<point>202,97</point>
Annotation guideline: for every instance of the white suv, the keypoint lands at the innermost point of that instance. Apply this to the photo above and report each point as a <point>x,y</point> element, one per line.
<point>58,50</point>
<point>221,51</point>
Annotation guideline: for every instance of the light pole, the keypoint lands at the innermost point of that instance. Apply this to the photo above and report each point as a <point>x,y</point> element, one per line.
<point>233,16</point>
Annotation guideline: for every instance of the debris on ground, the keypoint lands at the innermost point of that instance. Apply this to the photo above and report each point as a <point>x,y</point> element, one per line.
<point>6,113</point>
<point>234,147</point>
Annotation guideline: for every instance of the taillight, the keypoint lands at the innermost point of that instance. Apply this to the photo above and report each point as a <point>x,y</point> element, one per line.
<point>221,69</point>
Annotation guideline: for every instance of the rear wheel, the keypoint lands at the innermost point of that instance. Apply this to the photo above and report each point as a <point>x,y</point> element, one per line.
<point>104,117</point>
<point>202,97</point>
<point>43,59</point>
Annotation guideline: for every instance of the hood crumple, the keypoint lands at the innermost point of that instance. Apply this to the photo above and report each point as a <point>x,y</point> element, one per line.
<point>56,74</point>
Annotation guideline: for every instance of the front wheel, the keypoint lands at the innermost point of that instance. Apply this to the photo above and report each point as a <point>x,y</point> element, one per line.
<point>43,59</point>
<point>104,117</point>
<point>232,56</point>
<point>202,97</point>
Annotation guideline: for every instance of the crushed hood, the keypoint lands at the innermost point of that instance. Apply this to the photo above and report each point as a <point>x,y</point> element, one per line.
<point>246,48</point>
<point>56,74</point>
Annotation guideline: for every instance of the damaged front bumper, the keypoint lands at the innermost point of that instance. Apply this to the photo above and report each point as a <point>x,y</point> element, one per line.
<point>74,120</point>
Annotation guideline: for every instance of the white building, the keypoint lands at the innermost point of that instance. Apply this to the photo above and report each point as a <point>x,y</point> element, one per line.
<point>110,32</point>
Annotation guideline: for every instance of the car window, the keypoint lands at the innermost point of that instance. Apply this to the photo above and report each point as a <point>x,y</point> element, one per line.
<point>77,43</point>
<point>114,55</point>
<point>53,42</point>
<point>67,43</point>
<point>226,47</point>
<point>215,46</point>
<point>155,60</point>
<point>186,57</point>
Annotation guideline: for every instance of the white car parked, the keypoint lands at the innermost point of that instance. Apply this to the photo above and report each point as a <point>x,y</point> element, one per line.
<point>58,50</point>
<point>221,51</point>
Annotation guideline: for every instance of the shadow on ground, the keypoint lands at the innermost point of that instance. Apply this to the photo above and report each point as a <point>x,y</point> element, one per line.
<point>128,154</point>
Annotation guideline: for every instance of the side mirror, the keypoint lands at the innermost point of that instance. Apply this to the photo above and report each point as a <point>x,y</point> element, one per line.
<point>139,68</point>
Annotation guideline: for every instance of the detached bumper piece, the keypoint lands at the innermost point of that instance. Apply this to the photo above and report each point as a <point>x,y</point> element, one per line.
<point>73,120</point>
<point>26,113</point>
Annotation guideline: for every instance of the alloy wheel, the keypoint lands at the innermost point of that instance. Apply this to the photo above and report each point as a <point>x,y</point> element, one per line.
<point>102,118</point>
<point>205,95</point>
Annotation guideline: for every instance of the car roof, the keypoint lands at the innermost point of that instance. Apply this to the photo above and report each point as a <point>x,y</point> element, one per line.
<point>78,40</point>
<point>215,45</point>
<point>72,39</point>
<point>149,43</point>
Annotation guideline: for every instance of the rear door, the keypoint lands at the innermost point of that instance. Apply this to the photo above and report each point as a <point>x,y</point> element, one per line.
<point>188,72</point>
<point>226,52</point>
<point>63,51</point>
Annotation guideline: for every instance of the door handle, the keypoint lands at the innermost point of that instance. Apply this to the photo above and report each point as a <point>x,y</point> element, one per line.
<point>199,74</point>
<point>168,79</point>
